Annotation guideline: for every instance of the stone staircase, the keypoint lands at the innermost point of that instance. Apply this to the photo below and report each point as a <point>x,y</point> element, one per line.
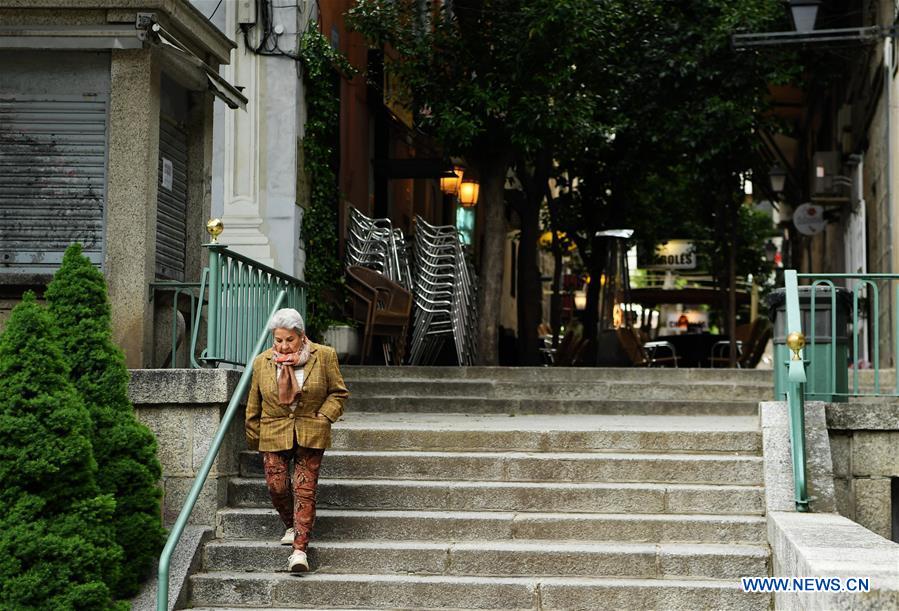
<point>496,488</point>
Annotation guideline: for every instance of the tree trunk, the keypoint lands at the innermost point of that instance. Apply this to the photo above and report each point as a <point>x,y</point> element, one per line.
<point>493,180</point>
<point>597,269</point>
<point>530,285</point>
<point>555,303</point>
<point>732,288</point>
<point>530,295</point>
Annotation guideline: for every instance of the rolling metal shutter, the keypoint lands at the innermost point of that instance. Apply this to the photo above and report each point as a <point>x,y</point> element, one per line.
<point>52,179</point>
<point>171,215</point>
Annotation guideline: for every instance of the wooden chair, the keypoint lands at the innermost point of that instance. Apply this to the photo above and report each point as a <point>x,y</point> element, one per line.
<point>383,306</point>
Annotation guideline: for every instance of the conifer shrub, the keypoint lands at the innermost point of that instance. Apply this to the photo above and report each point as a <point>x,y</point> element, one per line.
<point>124,448</point>
<point>57,545</point>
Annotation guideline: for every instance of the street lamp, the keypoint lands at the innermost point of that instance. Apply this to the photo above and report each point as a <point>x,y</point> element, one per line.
<point>805,13</point>
<point>449,183</point>
<point>468,193</point>
<point>778,178</point>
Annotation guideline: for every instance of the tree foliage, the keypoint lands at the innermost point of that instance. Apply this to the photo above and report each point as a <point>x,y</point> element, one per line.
<point>57,542</point>
<point>124,448</point>
<point>682,130</point>
<point>644,101</point>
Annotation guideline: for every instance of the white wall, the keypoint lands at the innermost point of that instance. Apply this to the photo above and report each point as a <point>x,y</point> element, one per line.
<point>254,168</point>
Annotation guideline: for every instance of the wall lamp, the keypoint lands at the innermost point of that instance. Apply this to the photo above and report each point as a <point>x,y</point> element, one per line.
<point>805,13</point>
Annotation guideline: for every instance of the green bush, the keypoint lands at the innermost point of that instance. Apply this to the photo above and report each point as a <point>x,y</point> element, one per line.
<point>57,546</point>
<point>124,448</point>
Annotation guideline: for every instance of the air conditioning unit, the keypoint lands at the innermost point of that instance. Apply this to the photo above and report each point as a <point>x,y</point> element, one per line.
<point>828,181</point>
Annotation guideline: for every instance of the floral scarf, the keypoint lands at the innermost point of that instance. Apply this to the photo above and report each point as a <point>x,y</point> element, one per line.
<point>288,388</point>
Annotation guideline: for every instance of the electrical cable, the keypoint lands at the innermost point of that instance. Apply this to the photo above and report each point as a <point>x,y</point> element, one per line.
<point>215,10</point>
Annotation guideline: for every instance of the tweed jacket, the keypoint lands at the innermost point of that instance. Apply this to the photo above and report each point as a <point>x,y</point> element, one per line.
<point>271,427</point>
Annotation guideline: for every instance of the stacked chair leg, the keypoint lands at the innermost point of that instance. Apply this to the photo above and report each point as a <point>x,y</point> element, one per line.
<point>444,292</point>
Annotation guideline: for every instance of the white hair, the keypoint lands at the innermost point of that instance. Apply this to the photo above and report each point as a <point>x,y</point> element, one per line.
<point>287,318</point>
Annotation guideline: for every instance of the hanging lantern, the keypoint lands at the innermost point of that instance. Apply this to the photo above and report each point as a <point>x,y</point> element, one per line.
<point>449,184</point>
<point>468,193</point>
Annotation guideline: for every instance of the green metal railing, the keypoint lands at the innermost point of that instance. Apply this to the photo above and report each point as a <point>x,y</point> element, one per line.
<point>181,294</point>
<point>236,294</point>
<point>241,292</point>
<point>820,369</point>
<point>795,390</point>
<point>162,591</point>
<point>866,290</point>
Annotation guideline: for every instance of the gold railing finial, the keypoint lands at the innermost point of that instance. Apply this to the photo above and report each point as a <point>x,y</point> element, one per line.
<point>215,227</point>
<point>796,342</point>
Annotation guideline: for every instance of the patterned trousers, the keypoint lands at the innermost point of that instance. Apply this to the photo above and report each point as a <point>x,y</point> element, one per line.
<point>297,509</point>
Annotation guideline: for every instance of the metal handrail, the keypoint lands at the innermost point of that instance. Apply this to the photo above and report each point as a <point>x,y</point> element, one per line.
<point>162,590</point>
<point>796,389</point>
<point>194,292</point>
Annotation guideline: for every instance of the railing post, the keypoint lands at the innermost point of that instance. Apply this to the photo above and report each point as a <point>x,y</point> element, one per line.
<point>796,388</point>
<point>797,433</point>
<point>213,311</point>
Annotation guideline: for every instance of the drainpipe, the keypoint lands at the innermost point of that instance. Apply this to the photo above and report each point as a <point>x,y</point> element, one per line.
<point>888,174</point>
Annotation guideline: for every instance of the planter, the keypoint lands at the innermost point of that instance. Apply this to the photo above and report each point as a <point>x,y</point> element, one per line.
<point>345,341</point>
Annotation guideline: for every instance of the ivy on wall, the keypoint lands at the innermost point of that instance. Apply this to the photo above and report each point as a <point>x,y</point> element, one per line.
<point>322,64</point>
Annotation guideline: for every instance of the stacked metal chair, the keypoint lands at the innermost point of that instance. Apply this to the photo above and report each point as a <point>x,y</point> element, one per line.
<point>444,293</point>
<point>375,244</point>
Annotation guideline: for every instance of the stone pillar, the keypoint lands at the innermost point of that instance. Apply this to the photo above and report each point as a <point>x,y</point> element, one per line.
<point>131,199</point>
<point>243,161</point>
<point>184,409</point>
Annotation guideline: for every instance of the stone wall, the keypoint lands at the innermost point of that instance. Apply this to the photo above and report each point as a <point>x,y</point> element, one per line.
<point>184,408</point>
<point>864,441</point>
<point>820,544</point>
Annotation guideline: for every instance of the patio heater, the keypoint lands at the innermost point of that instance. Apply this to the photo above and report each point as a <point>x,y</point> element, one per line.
<point>615,286</point>
<point>614,296</point>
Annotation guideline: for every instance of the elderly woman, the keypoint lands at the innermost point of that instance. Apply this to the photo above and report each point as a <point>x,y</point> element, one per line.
<point>296,393</point>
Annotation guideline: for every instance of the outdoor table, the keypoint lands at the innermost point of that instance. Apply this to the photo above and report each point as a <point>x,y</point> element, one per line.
<point>694,349</point>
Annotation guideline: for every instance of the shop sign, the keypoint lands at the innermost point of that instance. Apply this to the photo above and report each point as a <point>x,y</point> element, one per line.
<point>674,254</point>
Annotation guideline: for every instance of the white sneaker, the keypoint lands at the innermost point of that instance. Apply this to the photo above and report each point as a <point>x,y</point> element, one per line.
<point>287,539</point>
<point>297,562</point>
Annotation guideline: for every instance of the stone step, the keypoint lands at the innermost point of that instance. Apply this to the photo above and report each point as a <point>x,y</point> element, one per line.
<point>543,375</point>
<point>467,432</point>
<point>608,390</point>
<point>499,558</point>
<point>531,466</point>
<point>451,592</point>
<point>517,496</point>
<point>263,523</point>
<point>528,406</point>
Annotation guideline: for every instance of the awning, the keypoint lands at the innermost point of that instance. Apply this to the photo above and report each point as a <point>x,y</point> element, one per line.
<point>76,37</point>
<point>179,53</point>
<point>653,296</point>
